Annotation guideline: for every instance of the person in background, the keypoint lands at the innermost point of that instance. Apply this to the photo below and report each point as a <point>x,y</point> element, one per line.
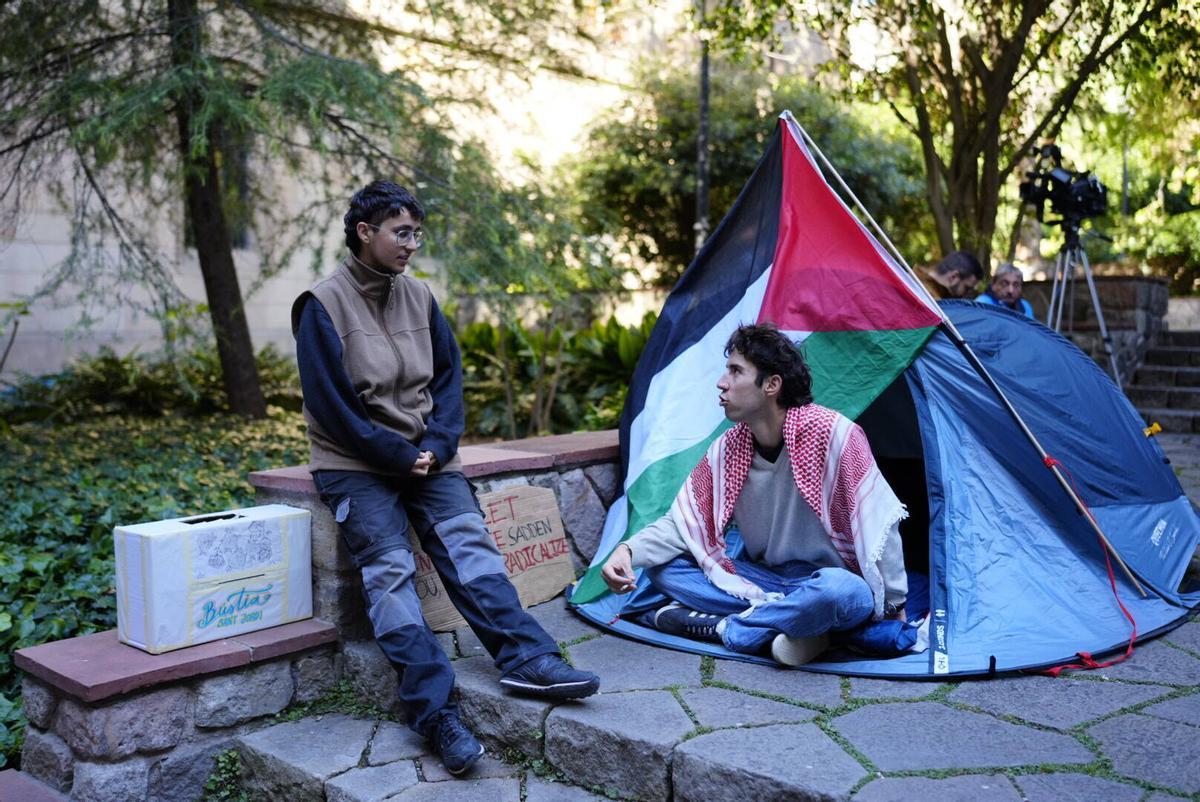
<point>1005,290</point>
<point>956,276</point>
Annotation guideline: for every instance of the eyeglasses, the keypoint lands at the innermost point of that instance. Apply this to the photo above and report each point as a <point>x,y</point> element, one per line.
<point>405,235</point>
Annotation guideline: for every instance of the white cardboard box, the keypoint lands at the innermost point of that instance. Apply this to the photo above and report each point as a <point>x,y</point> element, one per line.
<point>192,580</point>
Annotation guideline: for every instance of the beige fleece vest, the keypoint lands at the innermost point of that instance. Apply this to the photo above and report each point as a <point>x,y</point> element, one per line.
<point>383,322</point>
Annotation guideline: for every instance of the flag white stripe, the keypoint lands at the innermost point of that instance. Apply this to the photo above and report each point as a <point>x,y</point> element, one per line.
<point>681,405</point>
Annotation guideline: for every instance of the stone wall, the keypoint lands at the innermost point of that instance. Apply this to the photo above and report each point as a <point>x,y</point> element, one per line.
<point>1134,309</point>
<point>584,494</point>
<point>159,744</point>
<point>582,471</point>
<point>108,721</point>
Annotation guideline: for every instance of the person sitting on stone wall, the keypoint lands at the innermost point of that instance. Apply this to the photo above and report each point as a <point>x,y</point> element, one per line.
<point>382,383</point>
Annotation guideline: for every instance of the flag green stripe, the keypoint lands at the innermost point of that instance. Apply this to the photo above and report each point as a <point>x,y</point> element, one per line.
<point>649,498</point>
<point>851,368</point>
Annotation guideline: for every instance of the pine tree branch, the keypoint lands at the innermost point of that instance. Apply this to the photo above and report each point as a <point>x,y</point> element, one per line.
<point>361,26</point>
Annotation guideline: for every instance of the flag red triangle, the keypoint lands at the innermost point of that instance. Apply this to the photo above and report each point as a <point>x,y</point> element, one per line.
<point>828,274</point>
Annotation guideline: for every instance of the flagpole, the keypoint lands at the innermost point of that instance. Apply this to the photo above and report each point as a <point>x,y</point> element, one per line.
<point>958,340</point>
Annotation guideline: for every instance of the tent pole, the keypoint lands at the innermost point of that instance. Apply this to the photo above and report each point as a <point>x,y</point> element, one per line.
<point>956,337</point>
<point>962,345</point>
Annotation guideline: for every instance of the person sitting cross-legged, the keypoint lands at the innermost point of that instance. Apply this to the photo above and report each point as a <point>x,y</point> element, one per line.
<point>819,525</point>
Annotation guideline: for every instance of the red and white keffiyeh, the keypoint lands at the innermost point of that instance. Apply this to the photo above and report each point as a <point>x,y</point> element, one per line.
<point>834,472</point>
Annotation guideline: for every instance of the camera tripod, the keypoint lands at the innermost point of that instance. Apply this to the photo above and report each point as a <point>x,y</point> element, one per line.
<point>1071,256</point>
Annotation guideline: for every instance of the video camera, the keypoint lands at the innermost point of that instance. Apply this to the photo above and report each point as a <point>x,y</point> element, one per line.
<point>1076,196</point>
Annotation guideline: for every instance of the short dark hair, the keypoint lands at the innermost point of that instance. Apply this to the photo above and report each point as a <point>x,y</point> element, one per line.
<point>766,348</point>
<point>376,202</point>
<point>962,262</point>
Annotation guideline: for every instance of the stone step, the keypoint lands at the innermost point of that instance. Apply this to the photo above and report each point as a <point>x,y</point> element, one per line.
<point>18,786</point>
<point>1173,421</point>
<point>1165,375</point>
<point>670,725</point>
<point>1164,396</point>
<point>1177,356</point>
<point>339,758</point>
<point>1180,338</point>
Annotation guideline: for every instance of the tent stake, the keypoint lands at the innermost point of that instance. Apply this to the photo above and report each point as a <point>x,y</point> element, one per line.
<point>956,337</point>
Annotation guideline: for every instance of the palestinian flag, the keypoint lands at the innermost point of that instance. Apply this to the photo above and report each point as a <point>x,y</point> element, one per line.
<point>789,252</point>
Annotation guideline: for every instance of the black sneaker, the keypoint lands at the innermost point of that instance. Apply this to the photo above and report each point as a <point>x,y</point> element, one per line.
<point>549,675</point>
<point>675,619</point>
<point>454,743</point>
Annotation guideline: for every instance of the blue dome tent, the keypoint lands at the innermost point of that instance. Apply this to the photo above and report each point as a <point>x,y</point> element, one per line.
<point>1017,577</point>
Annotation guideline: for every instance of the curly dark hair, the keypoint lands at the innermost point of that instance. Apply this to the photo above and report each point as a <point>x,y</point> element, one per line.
<point>766,348</point>
<point>375,203</point>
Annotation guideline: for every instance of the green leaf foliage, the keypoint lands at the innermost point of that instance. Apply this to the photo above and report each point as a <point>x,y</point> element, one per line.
<point>590,369</point>
<point>639,177</point>
<point>67,484</point>
<point>225,782</point>
<point>108,383</point>
<point>1171,245</point>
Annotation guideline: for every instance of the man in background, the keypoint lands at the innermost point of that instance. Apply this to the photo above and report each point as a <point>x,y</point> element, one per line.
<point>1005,290</point>
<point>956,276</point>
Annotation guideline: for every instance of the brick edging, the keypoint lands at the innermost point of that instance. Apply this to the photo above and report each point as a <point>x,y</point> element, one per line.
<point>96,667</point>
<point>484,460</point>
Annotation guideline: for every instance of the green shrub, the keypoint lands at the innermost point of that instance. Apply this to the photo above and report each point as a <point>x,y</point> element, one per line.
<point>225,783</point>
<point>587,373</point>
<point>1174,251</point>
<point>67,485</point>
<point>107,383</point>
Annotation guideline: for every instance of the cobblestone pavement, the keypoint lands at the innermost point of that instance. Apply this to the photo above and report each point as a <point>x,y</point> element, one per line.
<point>676,726</point>
<point>1184,452</point>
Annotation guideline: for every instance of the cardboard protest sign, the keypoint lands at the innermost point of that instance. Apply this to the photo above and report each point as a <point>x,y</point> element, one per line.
<point>526,526</point>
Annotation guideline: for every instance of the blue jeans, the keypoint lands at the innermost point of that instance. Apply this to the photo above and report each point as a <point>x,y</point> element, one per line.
<point>373,513</point>
<point>815,600</point>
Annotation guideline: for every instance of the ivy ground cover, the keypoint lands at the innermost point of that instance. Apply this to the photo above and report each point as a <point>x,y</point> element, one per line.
<point>66,485</point>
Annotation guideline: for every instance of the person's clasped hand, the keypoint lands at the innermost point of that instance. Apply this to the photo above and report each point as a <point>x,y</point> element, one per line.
<point>425,462</point>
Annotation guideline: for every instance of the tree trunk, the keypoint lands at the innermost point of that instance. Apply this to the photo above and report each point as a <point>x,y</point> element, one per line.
<point>510,402</point>
<point>210,230</point>
<point>211,233</point>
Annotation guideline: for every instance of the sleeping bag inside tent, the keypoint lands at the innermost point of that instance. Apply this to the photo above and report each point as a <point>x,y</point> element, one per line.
<point>1012,574</point>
